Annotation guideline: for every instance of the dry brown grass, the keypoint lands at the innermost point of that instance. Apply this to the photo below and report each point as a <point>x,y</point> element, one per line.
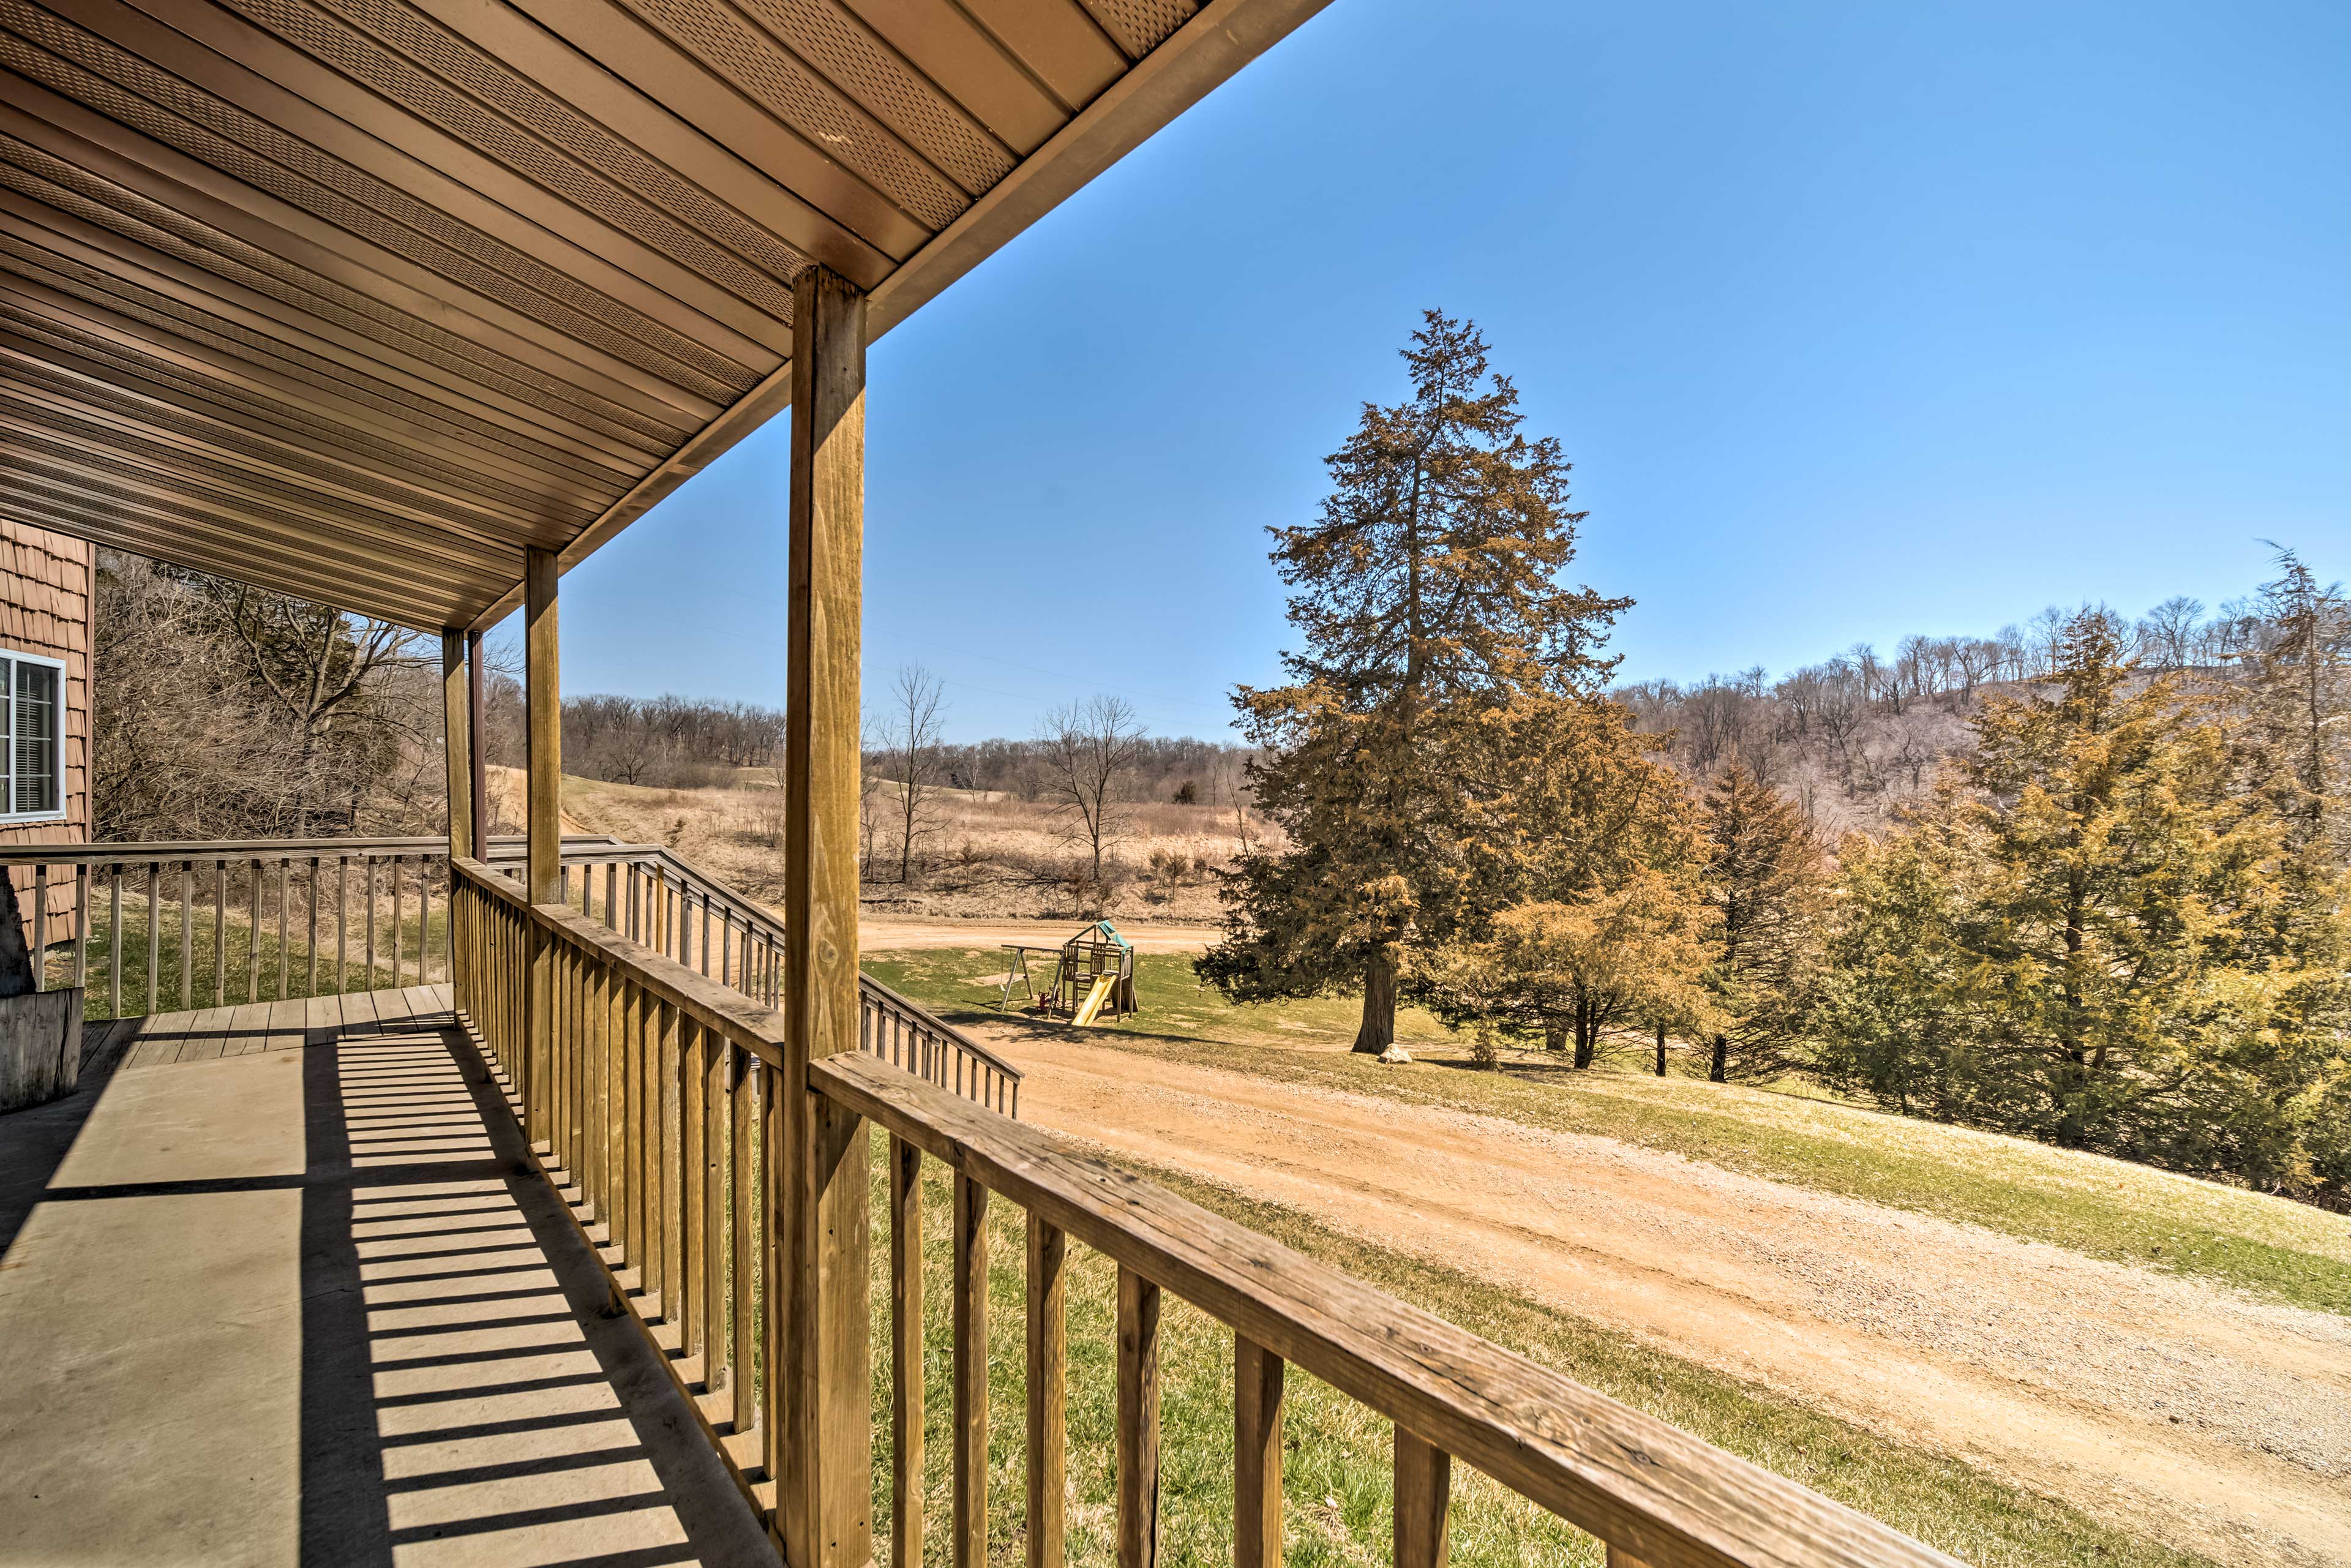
<point>982,855</point>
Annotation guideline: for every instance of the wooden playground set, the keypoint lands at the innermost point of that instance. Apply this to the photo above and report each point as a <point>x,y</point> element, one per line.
<point>1091,981</point>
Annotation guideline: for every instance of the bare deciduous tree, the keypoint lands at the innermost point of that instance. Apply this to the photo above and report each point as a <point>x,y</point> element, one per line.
<point>1084,750</point>
<point>910,730</point>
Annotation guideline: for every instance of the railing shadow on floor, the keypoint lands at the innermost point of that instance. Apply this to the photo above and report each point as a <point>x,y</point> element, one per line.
<point>465,1394</point>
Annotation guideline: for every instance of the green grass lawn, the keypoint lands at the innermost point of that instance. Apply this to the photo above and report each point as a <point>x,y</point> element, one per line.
<point>2278,1249</point>
<point>1337,1480</point>
<point>239,940</point>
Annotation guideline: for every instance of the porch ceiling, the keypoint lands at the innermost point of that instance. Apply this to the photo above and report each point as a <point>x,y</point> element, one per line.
<point>356,297</point>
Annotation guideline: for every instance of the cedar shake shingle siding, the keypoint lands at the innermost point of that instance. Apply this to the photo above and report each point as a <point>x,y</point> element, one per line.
<point>45,606</point>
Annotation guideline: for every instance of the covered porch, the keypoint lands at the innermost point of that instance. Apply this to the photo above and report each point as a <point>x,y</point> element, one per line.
<point>566,1251</point>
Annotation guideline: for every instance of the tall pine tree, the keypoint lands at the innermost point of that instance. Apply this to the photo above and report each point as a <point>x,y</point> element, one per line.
<point>1425,593</point>
<point>1767,879</point>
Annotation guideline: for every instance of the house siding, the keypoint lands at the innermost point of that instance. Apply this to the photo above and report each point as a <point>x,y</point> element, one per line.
<point>45,608</point>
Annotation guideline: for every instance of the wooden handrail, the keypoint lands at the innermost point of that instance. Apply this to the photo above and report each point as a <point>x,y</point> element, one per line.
<point>1652,1492</point>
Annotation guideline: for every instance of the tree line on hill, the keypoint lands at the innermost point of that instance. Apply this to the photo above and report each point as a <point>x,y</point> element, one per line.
<point>2098,896</point>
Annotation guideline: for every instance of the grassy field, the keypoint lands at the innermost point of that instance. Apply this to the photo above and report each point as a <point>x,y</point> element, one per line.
<point>2284,1251</point>
<point>1337,1476</point>
<point>238,943</point>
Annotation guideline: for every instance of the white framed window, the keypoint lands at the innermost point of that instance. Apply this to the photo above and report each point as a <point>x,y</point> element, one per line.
<point>33,782</point>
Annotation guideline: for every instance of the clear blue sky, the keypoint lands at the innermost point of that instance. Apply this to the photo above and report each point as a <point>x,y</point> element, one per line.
<point>1855,319</point>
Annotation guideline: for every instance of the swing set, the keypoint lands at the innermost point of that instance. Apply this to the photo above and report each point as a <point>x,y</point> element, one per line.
<point>1091,981</point>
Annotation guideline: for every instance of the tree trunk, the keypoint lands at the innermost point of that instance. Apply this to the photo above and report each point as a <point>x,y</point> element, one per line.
<point>1719,1070</point>
<point>1555,1040</point>
<point>1378,1030</point>
<point>1661,1050</point>
<point>1586,1041</point>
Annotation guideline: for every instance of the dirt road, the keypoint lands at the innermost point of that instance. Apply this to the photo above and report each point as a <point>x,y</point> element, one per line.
<point>2165,1404</point>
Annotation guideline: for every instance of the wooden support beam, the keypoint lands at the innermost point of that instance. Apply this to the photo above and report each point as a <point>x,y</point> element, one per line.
<point>458,740</point>
<point>543,831</point>
<point>823,1511</point>
<point>477,756</point>
<point>543,688</point>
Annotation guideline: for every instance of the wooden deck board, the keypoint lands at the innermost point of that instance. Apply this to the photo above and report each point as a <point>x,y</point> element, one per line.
<point>202,1024</point>
<point>111,1304</point>
<point>252,1029</point>
<point>288,1024</point>
<point>360,1013</point>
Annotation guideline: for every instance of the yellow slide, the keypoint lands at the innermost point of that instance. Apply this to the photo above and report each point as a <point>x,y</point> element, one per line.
<point>1103,984</point>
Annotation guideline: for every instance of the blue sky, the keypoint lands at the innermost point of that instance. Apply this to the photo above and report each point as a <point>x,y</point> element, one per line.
<point>1855,319</point>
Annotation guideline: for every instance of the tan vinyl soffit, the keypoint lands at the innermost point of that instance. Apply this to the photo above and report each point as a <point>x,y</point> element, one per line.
<point>357,298</point>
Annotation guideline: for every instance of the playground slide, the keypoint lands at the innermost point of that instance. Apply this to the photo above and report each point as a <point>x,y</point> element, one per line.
<point>1103,985</point>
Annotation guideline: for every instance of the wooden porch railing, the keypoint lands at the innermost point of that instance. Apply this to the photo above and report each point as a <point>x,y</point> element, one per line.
<point>656,1098</point>
<point>192,926</point>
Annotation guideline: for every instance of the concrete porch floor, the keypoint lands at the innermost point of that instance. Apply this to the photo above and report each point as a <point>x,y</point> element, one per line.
<point>284,1288</point>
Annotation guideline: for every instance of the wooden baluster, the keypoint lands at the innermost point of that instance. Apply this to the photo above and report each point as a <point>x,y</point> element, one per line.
<point>188,934</point>
<point>1138,1420</point>
<point>612,902</point>
<point>81,925</point>
<point>220,934</point>
<point>155,932</point>
<point>311,987</point>
<point>717,1110</point>
<point>635,1210</point>
<point>41,926</point>
<point>285,896</point>
<point>367,869</point>
<point>970,1452</point>
<point>663,1105</point>
<point>613,1002</point>
<point>905,1351</point>
<point>343,922</point>
<point>687,1272</point>
<point>706,934</point>
<point>727,947</point>
<point>1257,1455</point>
<point>1049,1425</point>
<point>397,979</point>
<point>253,936</point>
<point>1424,1486</point>
<point>746,1221</point>
<point>114,943</point>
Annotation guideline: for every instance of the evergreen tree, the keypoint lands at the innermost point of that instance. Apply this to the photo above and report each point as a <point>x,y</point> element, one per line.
<point>2101,941</point>
<point>2294,698</point>
<point>1765,879</point>
<point>1631,952</point>
<point>1577,856</point>
<point>1425,594</point>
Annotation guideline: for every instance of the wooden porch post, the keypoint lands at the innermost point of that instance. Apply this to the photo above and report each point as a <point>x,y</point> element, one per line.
<point>542,869</point>
<point>458,740</point>
<point>821,1440</point>
<point>543,872</point>
<point>477,783</point>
